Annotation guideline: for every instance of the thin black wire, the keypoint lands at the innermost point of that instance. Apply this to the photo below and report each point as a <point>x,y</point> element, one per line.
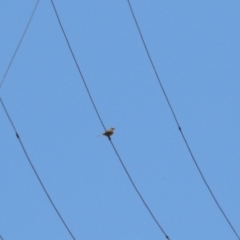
<point>176,120</point>
<point>79,70</point>
<point>89,94</point>
<point>17,135</point>
<point>139,194</point>
<point>24,32</point>
<point>34,170</point>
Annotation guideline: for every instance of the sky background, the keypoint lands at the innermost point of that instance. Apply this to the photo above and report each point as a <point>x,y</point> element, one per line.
<point>195,48</point>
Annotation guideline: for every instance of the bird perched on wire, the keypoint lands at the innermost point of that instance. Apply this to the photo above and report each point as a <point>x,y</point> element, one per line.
<point>108,133</point>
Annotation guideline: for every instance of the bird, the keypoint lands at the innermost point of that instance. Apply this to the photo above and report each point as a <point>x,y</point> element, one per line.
<point>108,133</point>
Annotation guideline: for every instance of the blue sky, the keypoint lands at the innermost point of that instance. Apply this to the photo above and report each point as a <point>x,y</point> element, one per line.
<point>195,48</point>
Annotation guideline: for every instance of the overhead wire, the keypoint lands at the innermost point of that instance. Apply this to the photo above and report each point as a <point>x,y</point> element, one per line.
<point>17,135</point>
<point>1,237</point>
<point>177,122</point>
<point>79,70</point>
<point>19,43</point>
<point>35,171</point>
<point>100,119</point>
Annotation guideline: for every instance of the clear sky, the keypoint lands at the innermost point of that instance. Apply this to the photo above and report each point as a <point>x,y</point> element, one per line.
<point>196,51</point>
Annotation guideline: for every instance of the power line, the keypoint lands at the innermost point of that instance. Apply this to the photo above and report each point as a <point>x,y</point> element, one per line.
<point>136,189</point>
<point>100,119</point>
<point>34,170</point>
<point>177,122</point>
<point>15,52</point>
<point>14,128</point>
<point>79,70</point>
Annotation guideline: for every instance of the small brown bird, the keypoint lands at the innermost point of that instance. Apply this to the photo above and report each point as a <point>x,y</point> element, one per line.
<point>108,133</point>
